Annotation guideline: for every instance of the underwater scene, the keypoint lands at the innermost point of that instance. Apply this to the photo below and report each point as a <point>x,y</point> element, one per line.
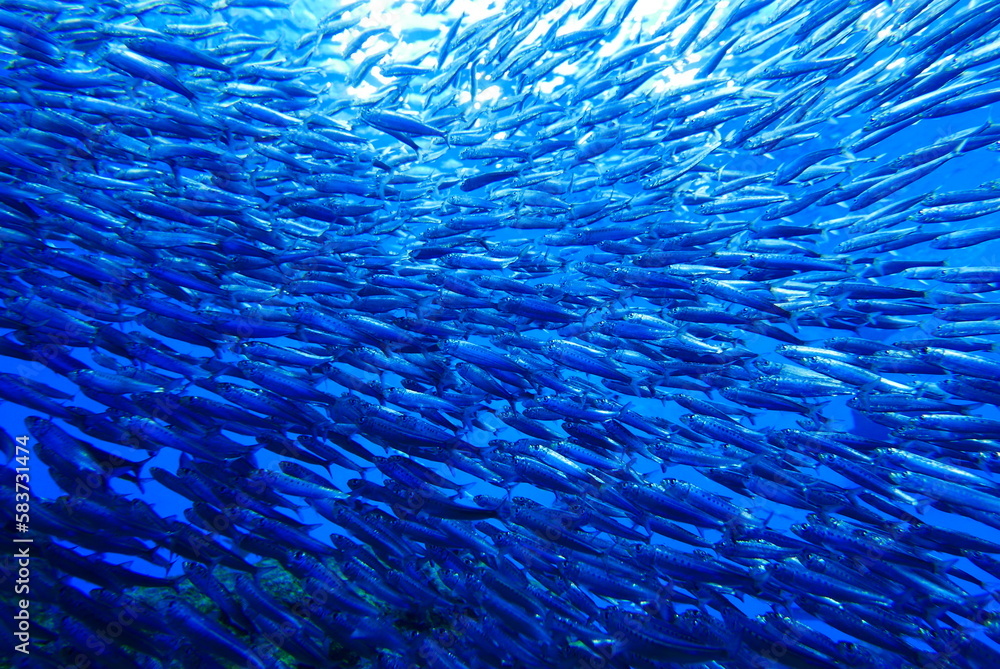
<point>462,334</point>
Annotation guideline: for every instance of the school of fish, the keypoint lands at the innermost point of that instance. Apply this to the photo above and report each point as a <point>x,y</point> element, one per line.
<point>505,301</point>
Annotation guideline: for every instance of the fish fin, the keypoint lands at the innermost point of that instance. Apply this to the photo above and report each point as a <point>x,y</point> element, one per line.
<point>944,566</point>
<point>402,138</point>
<point>966,576</point>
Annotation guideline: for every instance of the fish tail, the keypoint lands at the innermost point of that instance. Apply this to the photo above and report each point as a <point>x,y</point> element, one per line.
<point>137,468</point>
<point>152,557</point>
<point>813,419</point>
